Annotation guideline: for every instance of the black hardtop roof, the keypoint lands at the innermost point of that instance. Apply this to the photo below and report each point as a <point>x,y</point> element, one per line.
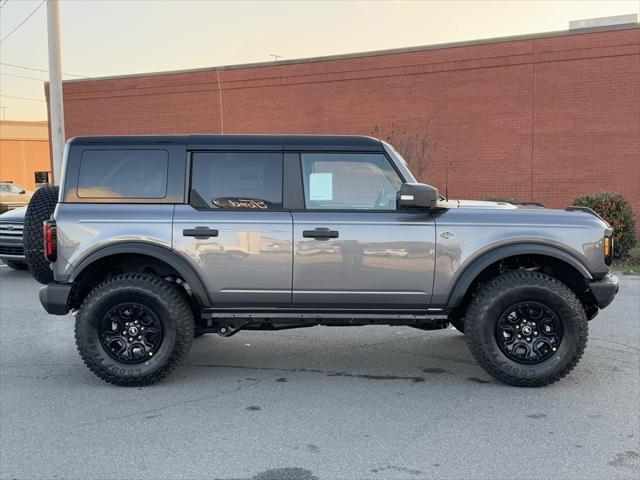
<point>245,142</point>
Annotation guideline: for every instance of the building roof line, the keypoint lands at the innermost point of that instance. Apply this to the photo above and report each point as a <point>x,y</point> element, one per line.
<point>372,53</point>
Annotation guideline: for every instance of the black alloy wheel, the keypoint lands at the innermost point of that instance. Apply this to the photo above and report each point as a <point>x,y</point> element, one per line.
<point>130,333</point>
<point>529,332</point>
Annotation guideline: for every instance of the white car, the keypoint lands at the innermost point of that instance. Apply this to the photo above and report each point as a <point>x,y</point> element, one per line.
<point>14,196</point>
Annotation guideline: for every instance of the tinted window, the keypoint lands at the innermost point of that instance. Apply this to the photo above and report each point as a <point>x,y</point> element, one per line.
<point>349,181</point>
<point>123,174</point>
<point>236,180</point>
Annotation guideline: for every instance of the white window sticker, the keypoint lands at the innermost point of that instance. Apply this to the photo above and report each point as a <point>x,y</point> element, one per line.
<point>321,186</point>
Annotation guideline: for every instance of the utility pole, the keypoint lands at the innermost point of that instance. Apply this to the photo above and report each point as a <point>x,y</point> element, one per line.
<point>56,115</point>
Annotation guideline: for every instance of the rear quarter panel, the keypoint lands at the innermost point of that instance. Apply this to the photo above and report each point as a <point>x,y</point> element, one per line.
<point>86,228</point>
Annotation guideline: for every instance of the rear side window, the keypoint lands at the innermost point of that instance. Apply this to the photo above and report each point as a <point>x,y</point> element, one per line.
<point>236,180</point>
<point>123,174</point>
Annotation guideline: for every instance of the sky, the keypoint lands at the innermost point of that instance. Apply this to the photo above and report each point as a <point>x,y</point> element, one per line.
<point>119,37</point>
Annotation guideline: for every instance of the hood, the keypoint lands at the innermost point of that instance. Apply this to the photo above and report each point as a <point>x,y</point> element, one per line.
<point>483,204</point>
<point>476,204</point>
<point>16,215</point>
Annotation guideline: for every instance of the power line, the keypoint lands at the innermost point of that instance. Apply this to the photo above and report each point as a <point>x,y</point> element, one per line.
<point>22,76</point>
<point>23,22</point>
<point>23,98</point>
<point>38,70</point>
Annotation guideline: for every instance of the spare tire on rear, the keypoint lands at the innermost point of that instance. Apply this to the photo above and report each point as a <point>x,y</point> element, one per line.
<point>41,207</point>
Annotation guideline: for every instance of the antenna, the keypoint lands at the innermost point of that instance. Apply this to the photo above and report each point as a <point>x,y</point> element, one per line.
<point>446,183</point>
<point>275,57</point>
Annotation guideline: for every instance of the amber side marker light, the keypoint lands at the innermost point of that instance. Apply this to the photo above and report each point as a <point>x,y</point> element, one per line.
<point>608,250</point>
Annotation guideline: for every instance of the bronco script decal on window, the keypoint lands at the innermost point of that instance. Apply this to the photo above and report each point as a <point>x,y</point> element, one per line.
<point>232,202</point>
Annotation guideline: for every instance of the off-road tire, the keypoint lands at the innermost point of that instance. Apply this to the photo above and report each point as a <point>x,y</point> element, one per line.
<point>41,207</point>
<point>495,297</point>
<point>457,321</point>
<point>17,265</point>
<point>167,300</point>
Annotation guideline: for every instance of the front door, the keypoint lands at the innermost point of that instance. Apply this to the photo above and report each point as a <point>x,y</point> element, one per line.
<point>352,248</point>
<point>234,230</point>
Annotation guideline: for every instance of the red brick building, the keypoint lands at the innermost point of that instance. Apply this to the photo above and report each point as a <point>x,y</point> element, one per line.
<point>542,118</point>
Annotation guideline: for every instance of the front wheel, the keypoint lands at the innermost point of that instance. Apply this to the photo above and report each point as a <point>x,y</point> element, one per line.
<point>133,329</point>
<point>526,328</point>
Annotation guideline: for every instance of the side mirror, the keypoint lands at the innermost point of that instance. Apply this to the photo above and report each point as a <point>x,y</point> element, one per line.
<point>22,192</point>
<point>417,196</point>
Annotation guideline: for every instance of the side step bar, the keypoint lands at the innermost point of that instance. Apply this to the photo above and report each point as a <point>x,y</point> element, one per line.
<point>227,323</point>
<point>329,315</point>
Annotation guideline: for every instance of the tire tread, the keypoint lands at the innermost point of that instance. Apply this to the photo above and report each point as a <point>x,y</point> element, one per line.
<point>179,309</point>
<point>490,292</point>
<point>41,207</point>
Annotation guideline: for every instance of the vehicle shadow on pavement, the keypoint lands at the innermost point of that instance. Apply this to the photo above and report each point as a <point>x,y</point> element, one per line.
<point>401,354</point>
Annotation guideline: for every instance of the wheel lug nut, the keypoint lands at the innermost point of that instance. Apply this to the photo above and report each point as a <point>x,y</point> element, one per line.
<point>535,333</point>
<point>139,337</point>
<point>519,336</point>
<point>141,328</point>
<point>124,333</point>
<point>517,327</point>
<point>528,339</point>
<point>131,339</point>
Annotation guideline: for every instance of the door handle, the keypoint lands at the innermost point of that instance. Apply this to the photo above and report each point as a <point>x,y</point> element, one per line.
<point>320,234</point>
<point>200,232</point>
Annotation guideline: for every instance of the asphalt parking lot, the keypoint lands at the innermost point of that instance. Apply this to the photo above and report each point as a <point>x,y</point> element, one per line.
<point>326,403</point>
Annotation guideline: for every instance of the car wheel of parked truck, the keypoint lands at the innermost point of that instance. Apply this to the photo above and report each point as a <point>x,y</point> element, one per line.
<point>133,329</point>
<point>41,207</point>
<point>526,328</point>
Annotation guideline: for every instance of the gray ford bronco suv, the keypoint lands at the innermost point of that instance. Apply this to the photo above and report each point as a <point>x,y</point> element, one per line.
<point>154,240</point>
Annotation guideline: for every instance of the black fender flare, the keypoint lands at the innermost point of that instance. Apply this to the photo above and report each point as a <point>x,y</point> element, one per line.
<point>170,257</point>
<point>471,272</point>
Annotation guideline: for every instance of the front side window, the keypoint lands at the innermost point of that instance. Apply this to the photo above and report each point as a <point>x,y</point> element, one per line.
<point>123,174</point>
<point>349,181</point>
<point>236,180</point>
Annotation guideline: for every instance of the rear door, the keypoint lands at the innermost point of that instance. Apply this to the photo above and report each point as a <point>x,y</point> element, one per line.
<point>352,248</point>
<point>234,229</point>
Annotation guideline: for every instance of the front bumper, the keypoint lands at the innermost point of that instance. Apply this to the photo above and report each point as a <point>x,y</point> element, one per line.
<point>54,297</point>
<point>604,290</point>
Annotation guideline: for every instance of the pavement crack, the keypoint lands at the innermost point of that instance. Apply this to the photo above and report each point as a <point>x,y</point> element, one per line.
<point>617,343</point>
<point>168,406</point>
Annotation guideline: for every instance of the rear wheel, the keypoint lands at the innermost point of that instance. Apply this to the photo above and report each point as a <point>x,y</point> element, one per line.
<point>17,265</point>
<point>526,328</point>
<point>41,207</point>
<point>133,329</point>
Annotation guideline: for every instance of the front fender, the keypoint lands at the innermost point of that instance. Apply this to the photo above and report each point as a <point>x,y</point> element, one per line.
<point>466,276</point>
